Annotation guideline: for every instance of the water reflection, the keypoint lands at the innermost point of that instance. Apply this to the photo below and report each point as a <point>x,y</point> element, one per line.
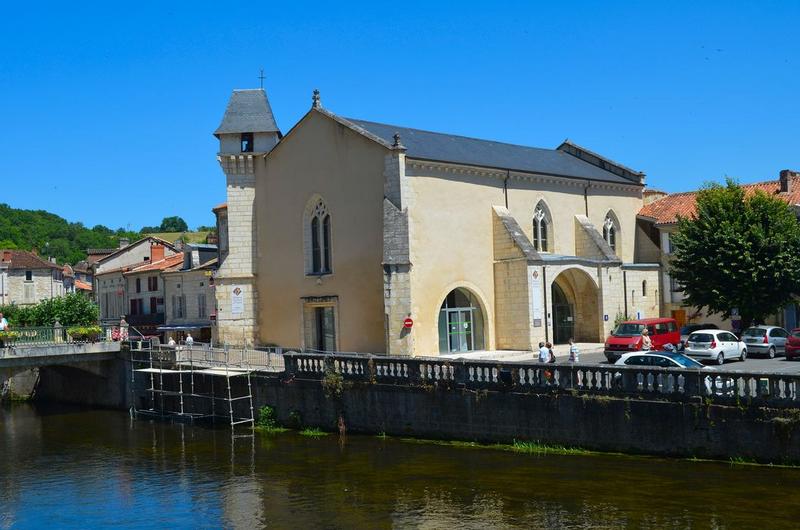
<point>67,467</point>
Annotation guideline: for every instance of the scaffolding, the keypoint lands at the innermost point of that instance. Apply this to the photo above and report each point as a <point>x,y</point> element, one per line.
<point>170,383</point>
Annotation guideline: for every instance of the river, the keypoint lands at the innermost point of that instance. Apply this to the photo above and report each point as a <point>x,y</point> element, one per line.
<point>66,467</point>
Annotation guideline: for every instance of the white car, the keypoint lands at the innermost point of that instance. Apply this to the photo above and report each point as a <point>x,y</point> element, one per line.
<point>659,359</point>
<point>715,345</point>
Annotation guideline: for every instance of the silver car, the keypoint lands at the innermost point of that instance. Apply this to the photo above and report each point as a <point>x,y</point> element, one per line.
<point>765,340</point>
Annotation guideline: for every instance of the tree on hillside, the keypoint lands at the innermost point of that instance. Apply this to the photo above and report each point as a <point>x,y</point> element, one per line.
<point>168,224</point>
<point>739,251</point>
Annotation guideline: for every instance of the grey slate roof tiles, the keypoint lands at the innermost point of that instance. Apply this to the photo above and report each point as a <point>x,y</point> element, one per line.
<point>427,145</point>
<point>248,111</point>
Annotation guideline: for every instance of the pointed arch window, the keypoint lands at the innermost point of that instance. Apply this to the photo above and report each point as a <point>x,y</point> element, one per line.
<point>319,230</point>
<point>542,229</point>
<point>611,231</point>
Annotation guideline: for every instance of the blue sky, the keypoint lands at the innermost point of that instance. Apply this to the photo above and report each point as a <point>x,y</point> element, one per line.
<point>108,111</point>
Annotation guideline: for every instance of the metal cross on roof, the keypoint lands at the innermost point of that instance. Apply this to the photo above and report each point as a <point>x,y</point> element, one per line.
<point>261,77</point>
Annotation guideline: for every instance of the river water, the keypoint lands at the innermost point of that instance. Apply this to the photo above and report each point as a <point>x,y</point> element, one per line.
<point>65,467</point>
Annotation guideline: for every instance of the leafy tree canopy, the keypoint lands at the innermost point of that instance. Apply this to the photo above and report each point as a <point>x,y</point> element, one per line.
<point>53,236</point>
<point>739,251</point>
<point>168,224</point>
<point>74,309</point>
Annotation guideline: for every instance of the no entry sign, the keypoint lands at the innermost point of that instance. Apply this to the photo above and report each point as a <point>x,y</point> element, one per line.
<point>407,323</point>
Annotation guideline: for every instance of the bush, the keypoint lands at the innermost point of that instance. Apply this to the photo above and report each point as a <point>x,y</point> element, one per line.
<point>86,333</point>
<point>73,309</point>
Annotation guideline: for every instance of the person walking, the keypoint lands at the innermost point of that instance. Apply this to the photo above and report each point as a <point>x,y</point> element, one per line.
<point>544,353</point>
<point>189,340</point>
<point>3,323</point>
<point>551,357</point>
<point>574,352</point>
<point>647,344</point>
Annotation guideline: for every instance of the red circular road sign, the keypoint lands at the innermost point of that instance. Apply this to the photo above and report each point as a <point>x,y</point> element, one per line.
<point>407,323</point>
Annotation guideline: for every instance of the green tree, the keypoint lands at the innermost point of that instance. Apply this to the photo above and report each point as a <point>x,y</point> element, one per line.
<point>73,309</point>
<point>739,251</point>
<point>174,224</point>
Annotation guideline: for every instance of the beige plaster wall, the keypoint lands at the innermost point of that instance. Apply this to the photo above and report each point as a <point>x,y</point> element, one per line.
<point>323,158</point>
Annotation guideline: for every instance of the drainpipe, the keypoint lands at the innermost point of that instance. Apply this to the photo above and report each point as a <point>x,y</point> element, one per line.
<point>625,290</point>
<point>586,199</point>
<point>505,187</point>
<point>544,291</point>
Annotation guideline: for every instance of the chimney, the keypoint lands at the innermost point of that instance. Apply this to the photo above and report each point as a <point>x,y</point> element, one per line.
<point>156,253</point>
<point>786,179</point>
<point>52,259</point>
<point>7,255</point>
<point>124,242</point>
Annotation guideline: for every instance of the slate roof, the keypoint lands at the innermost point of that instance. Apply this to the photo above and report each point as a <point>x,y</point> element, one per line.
<point>248,111</point>
<point>666,210</point>
<point>439,147</point>
<point>22,259</point>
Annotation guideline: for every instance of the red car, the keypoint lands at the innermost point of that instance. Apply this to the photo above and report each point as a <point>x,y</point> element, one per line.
<point>793,344</point>
<point>627,337</point>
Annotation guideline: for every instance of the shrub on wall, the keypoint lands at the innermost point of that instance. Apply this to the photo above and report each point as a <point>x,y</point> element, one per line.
<point>73,309</point>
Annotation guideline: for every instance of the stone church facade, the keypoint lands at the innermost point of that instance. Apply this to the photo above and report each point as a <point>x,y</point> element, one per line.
<point>351,235</point>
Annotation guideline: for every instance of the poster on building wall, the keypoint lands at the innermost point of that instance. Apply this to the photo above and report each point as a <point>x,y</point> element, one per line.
<point>536,299</point>
<point>237,300</point>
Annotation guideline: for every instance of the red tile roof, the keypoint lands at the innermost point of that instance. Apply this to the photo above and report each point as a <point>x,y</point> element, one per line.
<point>223,206</point>
<point>160,265</point>
<point>22,259</point>
<point>666,210</point>
<point>83,286</point>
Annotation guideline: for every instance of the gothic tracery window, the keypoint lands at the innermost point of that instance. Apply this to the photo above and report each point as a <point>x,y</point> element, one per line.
<point>541,228</point>
<point>610,230</point>
<point>319,227</point>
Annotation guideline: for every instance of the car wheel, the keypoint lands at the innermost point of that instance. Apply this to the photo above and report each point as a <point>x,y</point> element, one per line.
<point>743,355</point>
<point>771,352</point>
<point>720,359</point>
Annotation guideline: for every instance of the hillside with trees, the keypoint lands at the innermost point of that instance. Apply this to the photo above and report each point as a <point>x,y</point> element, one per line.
<point>51,235</point>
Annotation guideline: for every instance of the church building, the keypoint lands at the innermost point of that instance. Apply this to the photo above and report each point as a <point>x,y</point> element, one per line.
<point>350,235</point>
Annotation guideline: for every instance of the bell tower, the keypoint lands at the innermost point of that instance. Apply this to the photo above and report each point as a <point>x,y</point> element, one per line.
<point>248,131</point>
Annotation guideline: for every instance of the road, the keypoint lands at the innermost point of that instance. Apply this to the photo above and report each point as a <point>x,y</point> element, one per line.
<point>592,353</point>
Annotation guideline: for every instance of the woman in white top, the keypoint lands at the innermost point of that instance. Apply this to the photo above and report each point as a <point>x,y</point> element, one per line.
<point>647,344</point>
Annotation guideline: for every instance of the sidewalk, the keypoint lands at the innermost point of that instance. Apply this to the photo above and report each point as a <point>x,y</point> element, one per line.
<point>561,351</point>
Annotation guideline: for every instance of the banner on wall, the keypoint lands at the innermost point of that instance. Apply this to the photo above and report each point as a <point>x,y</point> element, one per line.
<point>237,300</point>
<point>536,296</point>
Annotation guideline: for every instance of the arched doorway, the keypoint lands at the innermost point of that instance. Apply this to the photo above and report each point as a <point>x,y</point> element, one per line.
<point>576,303</point>
<point>461,323</point>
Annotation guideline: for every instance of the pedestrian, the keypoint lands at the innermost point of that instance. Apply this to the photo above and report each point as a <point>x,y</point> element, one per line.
<point>3,323</point>
<point>189,340</point>
<point>647,344</point>
<point>171,342</point>
<point>544,353</point>
<point>551,357</point>
<point>574,352</point>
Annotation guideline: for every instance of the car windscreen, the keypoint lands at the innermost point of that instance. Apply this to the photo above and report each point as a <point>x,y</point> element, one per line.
<point>701,337</point>
<point>686,362</point>
<point>754,332</point>
<point>627,329</point>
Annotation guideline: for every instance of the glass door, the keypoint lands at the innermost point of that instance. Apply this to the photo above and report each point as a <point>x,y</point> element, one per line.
<point>459,325</point>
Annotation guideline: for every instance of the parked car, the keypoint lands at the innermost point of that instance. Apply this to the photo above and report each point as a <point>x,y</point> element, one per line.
<point>627,336</point>
<point>688,329</point>
<point>715,345</point>
<point>793,344</point>
<point>765,340</point>
<point>659,359</point>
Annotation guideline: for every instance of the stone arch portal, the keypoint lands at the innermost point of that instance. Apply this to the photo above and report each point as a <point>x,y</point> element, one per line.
<point>576,307</point>
<point>462,322</point>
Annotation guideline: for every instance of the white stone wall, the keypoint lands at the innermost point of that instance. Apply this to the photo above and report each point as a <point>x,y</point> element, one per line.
<point>110,295</point>
<point>190,285</point>
<point>43,287</point>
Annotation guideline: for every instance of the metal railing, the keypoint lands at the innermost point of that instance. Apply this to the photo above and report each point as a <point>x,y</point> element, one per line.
<point>198,353</point>
<point>717,386</point>
<point>48,335</point>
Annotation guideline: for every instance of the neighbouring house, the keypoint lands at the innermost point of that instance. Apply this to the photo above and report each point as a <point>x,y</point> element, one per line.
<point>659,218</point>
<point>69,278</point>
<point>27,279</point>
<point>110,289</point>
<point>84,279</point>
<point>353,235</point>
<point>189,294</point>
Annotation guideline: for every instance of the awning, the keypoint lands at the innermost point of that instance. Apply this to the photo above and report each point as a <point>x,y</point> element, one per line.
<point>184,327</point>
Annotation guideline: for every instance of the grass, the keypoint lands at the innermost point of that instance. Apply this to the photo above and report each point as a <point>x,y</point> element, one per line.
<point>270,429</point>
<point>313,432</point>
<point>188,237</point>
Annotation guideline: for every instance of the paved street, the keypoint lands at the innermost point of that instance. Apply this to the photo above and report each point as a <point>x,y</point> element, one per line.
<point>592,353</point>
